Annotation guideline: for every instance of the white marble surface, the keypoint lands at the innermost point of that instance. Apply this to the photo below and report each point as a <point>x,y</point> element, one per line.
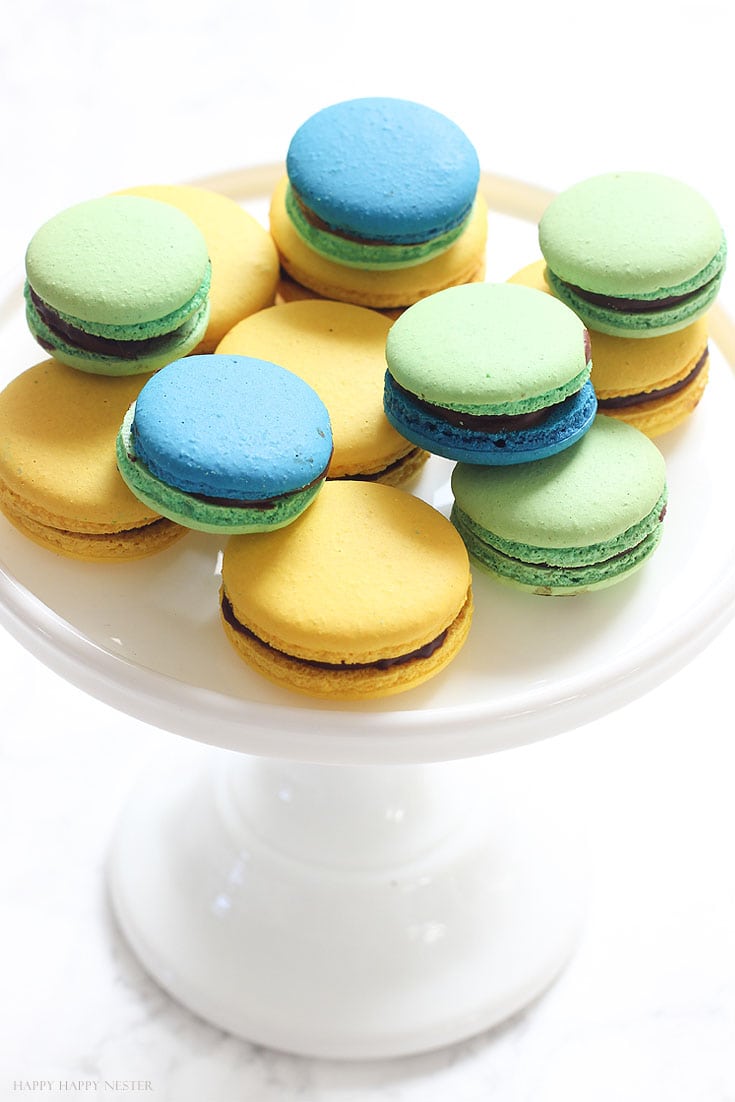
<point>96,96</point>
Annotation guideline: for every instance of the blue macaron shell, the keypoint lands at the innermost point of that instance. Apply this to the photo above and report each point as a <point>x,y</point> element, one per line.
<point>231,427</point>
<point>566,423</point>
<point>384,169</point>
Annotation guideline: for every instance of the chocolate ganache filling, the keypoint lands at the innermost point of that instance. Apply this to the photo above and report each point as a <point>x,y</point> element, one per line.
<point>381,664</point>
<point>635,305</point>
<point>479,422</point>
<point>626,400</point>
<point>89,342</point>
<point>319,224</point>
<point>375,476</point>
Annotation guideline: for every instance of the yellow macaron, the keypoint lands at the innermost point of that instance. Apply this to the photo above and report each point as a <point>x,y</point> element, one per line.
<point>366,594</point>
<point>653,384</point>
<point>339,350</point>
<point>245,268</point>
<point>462,262</point>
<point>59,483</point>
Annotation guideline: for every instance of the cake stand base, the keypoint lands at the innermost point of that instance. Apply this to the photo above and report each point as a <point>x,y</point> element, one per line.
<point>344,912</point>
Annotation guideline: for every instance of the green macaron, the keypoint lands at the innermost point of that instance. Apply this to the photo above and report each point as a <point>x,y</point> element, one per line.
<point>118,285</point>
<point>489,373</point>
<point>582,519</point>
<point>634,254</point>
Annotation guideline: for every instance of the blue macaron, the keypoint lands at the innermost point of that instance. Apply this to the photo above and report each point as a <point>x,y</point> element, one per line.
<point>491,374</point>
<point>226,444</point>
<point>380,181</point>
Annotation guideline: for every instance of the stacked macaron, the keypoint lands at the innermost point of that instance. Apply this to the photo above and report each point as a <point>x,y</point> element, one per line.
<point>226,444</point>
<point>489,374</point>
<point>118,285</point>
<point>117,288</point>
<point>579,520</point>
<point>640,258</point>
<point>379,206</point>
<point>547,494</point>
<point>59,483</point>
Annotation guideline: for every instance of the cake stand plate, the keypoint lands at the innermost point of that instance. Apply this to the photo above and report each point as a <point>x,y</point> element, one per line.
<point>368,881</point>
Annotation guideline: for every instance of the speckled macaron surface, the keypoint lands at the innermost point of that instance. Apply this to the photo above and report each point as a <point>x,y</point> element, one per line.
<point>59,483</point>
<point>368,593</point>
<point>226,444</point>
<point>339,350</point>
<point>380,182</point>
<point>581,519</point>
<point>118,285</point>
<point>489,373</point>
<point>633,253</point>
<point>244,260</point>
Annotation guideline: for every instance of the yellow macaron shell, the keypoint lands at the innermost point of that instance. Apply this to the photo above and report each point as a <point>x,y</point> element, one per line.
<point>624,366</point>
<point>291,291</point>
<point>339,350</point>
<point>620,366</point>
<point>367,573</point>
<point>58,469</point>
<point>462,262</point>
<point>245,268</point>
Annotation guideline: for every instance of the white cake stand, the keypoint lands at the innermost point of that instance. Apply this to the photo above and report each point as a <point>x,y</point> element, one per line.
<point>355,882</point>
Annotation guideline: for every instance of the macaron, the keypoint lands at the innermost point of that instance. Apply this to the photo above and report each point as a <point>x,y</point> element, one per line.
<point>225,444</point>
<point>580,520</point>
<point>118,285</point>
<point>378,598</point>
<point>245,269</point>
<point>653,384</point>
<point>59,483</point>
<point>380,182</point>
<point>339,350</point>
<point>489,373</point>
<point>380,205</point>
<point>635,254</point>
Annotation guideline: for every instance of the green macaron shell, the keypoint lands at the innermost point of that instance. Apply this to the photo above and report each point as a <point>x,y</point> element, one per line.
<point>632,235</point>
<point>119,261</point>
<point>631,323</point>
<point>140,330</point>
<point>197,513</point>
<point>572,520</point>
<point>184,340</point>
<point>366,255</point>
<point>562,577</point>
<point>489,348</point>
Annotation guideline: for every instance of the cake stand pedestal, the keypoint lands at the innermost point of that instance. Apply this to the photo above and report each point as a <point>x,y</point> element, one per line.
<point>342,911</point>
<point>368,881</point>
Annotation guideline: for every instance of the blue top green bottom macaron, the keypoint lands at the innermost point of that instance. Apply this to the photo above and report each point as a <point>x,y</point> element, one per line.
<point>226,444</point>
<point>380,183</point>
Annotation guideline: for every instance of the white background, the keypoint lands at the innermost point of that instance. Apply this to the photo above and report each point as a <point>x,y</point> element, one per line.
<point>95,97</point>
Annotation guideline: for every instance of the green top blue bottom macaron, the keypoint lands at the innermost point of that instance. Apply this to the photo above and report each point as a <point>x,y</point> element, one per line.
<point>508,443</point>
<point>489,373</point>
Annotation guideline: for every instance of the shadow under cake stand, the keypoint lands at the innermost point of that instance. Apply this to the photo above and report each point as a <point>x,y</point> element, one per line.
<point>365,882</point>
